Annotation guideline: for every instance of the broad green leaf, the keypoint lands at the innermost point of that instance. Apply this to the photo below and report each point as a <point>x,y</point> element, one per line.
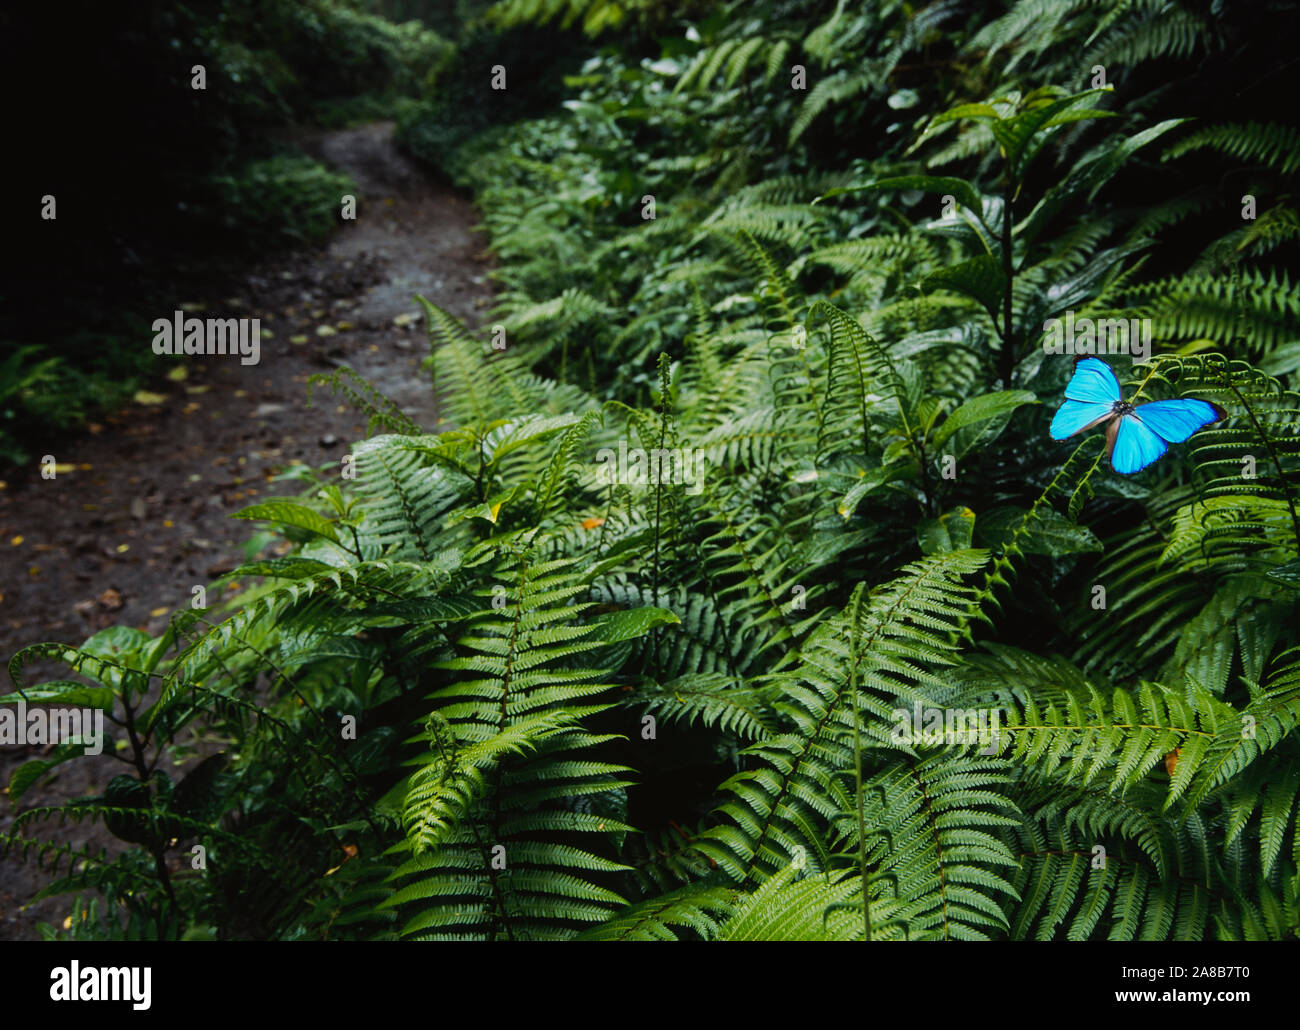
<point>117,643</point>
<point>1102,170</point>
<point>63,692</point>
<point>30,773</point>
<point>979,278</point>
<point>951,531</point>
<point>1024,135</point>
<point>872,480</point>
<point>490,510</point>
<point>963,191</point>
<point>984,408</point>
<point>980,112</point>
<point>290,514</point>
<point>281,568</point>
<point>627,625</point>
<point>515,435</point>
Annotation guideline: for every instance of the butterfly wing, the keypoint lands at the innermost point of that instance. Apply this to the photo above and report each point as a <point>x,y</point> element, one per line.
<point>1176,420</point>
<point>1089,397</point>
<point>1133,445</point>
<point>1076,416</point>
<point>1093,383</point>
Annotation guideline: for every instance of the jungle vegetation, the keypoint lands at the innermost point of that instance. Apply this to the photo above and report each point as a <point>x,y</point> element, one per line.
<point>805,250</point>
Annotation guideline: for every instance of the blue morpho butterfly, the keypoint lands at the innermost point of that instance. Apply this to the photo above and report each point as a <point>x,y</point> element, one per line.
<point>1136,434</point>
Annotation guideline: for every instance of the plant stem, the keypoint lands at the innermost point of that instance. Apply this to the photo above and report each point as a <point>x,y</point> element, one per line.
<point>862,821</point>
<point>158,851</point>
<point>659,499</point>
<point>1008,277</point>
<point>857,771</point>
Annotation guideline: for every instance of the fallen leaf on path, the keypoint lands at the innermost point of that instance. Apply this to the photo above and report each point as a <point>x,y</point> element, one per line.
<point>111,600</point>
<point>326,330</point>
<point>158,611</point>
<point>148,397</point>
<point>178,374</point>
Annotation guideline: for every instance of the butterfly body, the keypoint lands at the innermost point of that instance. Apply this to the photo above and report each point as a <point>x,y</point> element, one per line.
<point>1136,434</point>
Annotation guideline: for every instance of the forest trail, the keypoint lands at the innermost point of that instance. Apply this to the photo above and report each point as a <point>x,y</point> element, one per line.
<point>142,513</point>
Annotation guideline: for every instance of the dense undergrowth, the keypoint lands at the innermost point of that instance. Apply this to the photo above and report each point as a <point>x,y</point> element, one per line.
<point>511,683</point>
<point>163,180</point>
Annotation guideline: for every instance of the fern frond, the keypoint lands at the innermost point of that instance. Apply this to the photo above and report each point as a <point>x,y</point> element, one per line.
<point>1268,143</point>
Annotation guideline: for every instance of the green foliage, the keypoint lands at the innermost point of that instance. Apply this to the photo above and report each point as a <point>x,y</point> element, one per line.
<point>463,104</point>
<point>279,200</point>
<point>1272,145</point>
<point>24,375</point>
<point>744,594</point>
<point>594,16</point>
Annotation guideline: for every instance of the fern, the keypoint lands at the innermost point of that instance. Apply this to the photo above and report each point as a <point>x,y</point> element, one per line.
<point>474,865</point>
<point>1272,145</point>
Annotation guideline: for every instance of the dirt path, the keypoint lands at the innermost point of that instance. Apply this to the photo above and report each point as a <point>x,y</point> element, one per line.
<point>143,514</point>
